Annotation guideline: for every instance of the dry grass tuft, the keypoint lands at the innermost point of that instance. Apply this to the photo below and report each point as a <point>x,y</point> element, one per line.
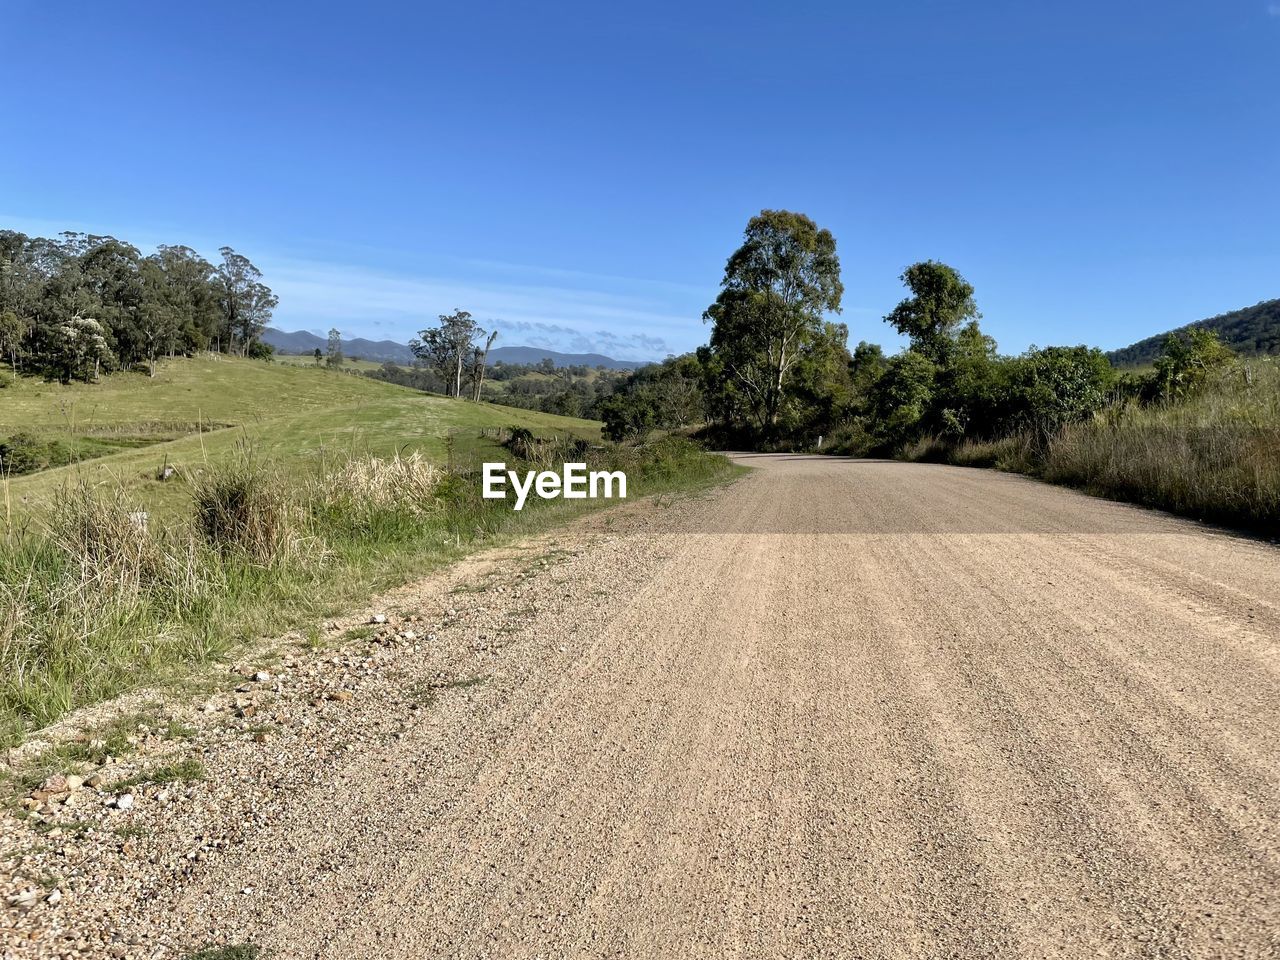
<point>407,483</point>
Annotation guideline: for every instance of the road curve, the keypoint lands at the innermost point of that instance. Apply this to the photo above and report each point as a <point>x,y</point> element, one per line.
<point>834,709</point>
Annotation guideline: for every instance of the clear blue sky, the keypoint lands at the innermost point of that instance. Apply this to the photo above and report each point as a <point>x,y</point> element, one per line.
<point>1098,170</point>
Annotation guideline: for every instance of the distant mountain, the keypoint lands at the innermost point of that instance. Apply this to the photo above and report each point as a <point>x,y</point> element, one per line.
<point>538,354</point>
<point>1251,332</point>
<point>302,342</point>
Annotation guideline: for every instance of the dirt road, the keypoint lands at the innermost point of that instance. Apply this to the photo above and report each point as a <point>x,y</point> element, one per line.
<point>836,709</point>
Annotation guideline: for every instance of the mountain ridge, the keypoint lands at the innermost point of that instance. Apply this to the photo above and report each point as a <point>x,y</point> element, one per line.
<point>1250,331</point>
<point>304,342</point>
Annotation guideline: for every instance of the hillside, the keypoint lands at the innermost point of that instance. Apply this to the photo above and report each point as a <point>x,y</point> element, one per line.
<point>200,410</point>
<point>302,342</point>
<point>1250,332</point>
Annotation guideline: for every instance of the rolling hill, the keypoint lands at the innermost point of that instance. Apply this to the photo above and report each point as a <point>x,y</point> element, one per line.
<point>380,351</point>
<point>1251,332</point>
<point>201,410</point>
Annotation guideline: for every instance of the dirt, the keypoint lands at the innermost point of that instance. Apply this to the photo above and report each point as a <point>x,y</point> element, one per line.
<point>834,709</point>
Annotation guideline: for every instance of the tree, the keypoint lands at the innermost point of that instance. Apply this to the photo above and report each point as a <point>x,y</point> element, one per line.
<point>79,350</point>
<point>480,357</point>
<point>111,280</point>
<point>194,293</point>
<point>1187,362</point>
<point>628,415</point>
<point>970,386</point>
<point>158,313</point>
<point>665,396</point>
<point>775,290</point>
<point>334,358</point>
<point>447,347</point>
<point>13,330</point>
<point>901,398</point>
<point>941,300</point>
<point>246,302</point>
<point>318,356</point>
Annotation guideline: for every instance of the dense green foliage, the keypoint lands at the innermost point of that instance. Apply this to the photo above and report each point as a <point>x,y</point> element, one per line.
<point>1250,332</point>
<point>77,306</point>
<point>767,321</point>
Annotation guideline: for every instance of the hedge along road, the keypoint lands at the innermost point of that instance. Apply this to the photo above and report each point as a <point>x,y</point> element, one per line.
<point>833,709</point>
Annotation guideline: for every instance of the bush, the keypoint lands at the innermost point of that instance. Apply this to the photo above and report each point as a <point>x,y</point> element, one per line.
<point>23,453</point>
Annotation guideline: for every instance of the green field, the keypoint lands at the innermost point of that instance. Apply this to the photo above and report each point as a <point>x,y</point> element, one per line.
<point>288,414</point>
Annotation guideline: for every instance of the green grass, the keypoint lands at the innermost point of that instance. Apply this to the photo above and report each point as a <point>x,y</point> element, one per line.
<point>250,545</point>
<point>291,415</point>
<point>240,951</point>
<point>183,771</point>
<point>309,360</point>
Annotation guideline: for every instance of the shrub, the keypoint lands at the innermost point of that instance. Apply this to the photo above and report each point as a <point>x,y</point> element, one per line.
<point>522,443</point>
<point>23,453</point>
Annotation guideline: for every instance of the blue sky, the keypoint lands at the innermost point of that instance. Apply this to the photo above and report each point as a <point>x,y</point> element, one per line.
<point>580,172</point>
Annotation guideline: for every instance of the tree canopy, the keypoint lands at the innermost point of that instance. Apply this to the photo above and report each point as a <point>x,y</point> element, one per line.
<point>52,291</point>
<point>777,287</point>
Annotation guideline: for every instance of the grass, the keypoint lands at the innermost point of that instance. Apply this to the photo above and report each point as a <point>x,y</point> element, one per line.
<point>425,694</point>
<point>290,415</point>
<point>264,539</point>
<point>183,771</point>
<point>1214,456</point>
<point>239,951</point>
<point>309,360</point>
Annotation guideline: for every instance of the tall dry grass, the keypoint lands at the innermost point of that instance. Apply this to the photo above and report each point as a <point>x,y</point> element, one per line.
<point>1214,456</point>
<point>89,602</point>
<point>410,483</point>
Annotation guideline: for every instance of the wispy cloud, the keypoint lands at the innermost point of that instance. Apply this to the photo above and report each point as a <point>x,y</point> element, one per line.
<point>1273,9</point>
<point>577,315</point>
<point>551,307</point>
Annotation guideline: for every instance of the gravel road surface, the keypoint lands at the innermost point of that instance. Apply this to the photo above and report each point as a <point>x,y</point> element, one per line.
<point>833,709</point>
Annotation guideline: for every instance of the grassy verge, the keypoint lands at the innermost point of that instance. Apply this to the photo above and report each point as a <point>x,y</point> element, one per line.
<point>1214,456</point>
<point>93,601</point>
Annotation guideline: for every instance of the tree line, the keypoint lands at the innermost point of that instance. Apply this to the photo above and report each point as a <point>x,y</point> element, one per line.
<point>777,372</point>
<point>81,304</point>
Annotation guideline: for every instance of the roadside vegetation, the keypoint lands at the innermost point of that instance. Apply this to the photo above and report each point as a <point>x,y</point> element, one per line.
<point>1196,432</point>
<point>95,598</point>
<point>167,496</point>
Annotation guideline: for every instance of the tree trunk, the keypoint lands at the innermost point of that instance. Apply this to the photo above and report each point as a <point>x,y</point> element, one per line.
<point>484,357</point>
